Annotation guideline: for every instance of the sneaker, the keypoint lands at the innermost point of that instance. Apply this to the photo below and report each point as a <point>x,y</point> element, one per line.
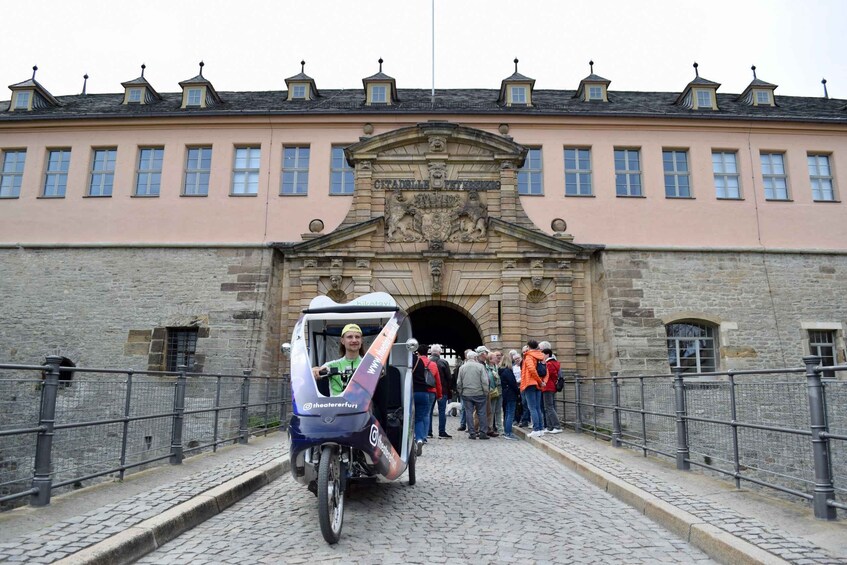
<point>554,431</point>
<point>493,434</point>
<point>523,425</point>
<point>429,435</point>
<point>445,436</point>
<point>483,436</point>
<point>462,428</point>
<point>471,437</point>
<point>509,437</point>
<point>536,433</point>
<point>418,447</point>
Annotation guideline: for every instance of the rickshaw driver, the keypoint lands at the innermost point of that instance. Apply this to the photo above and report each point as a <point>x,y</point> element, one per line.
<point>353,349</point>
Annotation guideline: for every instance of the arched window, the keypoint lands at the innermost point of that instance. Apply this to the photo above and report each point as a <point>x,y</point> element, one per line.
<point>692,345</point>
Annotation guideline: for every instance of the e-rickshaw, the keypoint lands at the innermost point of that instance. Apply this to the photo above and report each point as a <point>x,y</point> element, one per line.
<point>368,430</point>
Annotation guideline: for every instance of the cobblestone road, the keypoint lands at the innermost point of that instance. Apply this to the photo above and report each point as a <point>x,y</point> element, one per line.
<point>475,502</point>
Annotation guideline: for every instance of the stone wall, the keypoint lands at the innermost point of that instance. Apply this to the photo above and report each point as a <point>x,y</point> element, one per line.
<point>760,302</point>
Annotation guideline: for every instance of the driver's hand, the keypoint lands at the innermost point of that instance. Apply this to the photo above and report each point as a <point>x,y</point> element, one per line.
<point>316,372</point>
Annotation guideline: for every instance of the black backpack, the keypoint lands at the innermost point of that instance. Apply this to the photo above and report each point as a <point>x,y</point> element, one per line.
<point>541,367</point>
<point>560,384</point>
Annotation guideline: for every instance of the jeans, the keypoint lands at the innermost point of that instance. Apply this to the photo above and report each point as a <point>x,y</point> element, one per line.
<point>480,405</point>
<point>548,399</point>
<point>533,400</point>
<point>442,415</point>
<point>423,410</point>
<point>509,415</point>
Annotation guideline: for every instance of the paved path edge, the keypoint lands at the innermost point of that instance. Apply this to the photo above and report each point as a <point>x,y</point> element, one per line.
<point>137,541</point>
<point>713,541</point>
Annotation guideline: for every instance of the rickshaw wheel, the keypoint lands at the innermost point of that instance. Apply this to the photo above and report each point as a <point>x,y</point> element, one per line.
<point>330,495</point>
<point>411,466</point>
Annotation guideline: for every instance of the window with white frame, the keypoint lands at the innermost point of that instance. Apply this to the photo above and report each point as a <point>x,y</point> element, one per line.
<point>298,91</point>
<point>194,97</point>
<point>763,97</point>
<point>704,99</point>
<point>822,344</point>
<point>725,169</point>
<point>341,173</point>
<point>595,93</point>
<point>530,176</point>
<point>820,177</point>
<point>295,170</point>
<point>102,172</point>
<point>245,171</point>
<point>134,95</point>
<point>378,94</point>
<point>577,171</point>
<point>198,168</point>
<point>692,345</point>
<point>628,172</point>
<point>12,173</point>
<point>677,180</point>
<point>22,100</point>
<point>773,176</point>
<point>518,94</point>
<point>148,180</point>
<point>56,176</point>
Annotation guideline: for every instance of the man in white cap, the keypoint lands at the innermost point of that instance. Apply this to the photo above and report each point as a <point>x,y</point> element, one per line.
<point>353,349</point>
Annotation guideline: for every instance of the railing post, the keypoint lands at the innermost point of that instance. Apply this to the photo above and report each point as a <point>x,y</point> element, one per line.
<point>125,430</point>
<point>616,414</point>
<point>577,399</point>
<point>824,488</point>
<point>179,417</point>
<point>682,451</point>
<point>267,403</point>
<point>281,382</point>
<point>733,406</point>
<point>217,413</point>
<point>42,479</point>
<point>245,400</point>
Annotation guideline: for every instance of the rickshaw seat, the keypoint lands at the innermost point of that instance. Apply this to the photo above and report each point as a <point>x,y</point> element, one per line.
<point>388,405</point>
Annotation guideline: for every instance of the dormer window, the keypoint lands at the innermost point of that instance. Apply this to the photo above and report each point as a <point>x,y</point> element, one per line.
<point>378,94</point>
<point>299,91</point>
<point>763,97</point>
<point>22,100</point>
<point>301,86</point>
<point>593,88</point>
<point>595,92</point>
<point>518,94</point>
<point>193,96</point>
<point>758,92</point>
<point>704,99</point>
<point>139,91</point>
<point>699,94</point>
<point>134,95</point>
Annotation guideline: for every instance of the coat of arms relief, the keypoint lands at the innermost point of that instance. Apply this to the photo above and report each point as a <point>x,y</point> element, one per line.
<point>436,216</point>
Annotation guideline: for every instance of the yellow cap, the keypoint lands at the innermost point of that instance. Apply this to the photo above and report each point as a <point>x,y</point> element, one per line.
<point>350,328</point>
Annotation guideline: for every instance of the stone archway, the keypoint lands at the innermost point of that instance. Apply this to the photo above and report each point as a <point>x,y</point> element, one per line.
<point>441,322</point>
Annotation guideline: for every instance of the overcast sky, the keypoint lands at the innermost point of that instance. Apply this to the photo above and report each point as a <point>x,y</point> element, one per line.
<point>254,44</point>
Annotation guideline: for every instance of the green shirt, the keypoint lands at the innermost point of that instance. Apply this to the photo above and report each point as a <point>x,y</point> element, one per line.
<point>344,365</point>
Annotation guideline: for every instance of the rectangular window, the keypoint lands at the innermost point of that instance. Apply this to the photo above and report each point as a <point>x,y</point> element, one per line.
<point>102,172</point>
<point>194,96</point>
<point>22,101</point>
<point>181,348</point>
<point>704,99</point>
<point>56,178</point>
<point>530,179</point>
<point>298,91</point>
<point>820,176</point>
<point>134,95</point>
<point>198,167</point>
<point>627,172</point>
<point>518,95</point>
<point>295,170</point>
<point>245,172</point>
<point>341,174</point>
<point>692,345</point>
<point>378,94</point>
<point>12,173</point>
<point>773,176</point>
<point>822,343</point>
<point>577,172</point>
<point>725,168</point>
<point>595,93</point>
<point>677,181</point>
<point>148,180</point>
<point>763,97</point>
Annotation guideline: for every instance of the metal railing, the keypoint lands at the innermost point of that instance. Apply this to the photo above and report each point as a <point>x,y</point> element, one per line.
<point>784,429</point>
<point>56,431</point>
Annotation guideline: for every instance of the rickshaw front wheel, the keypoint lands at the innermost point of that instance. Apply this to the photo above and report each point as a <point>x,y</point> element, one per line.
<point>330,494</point>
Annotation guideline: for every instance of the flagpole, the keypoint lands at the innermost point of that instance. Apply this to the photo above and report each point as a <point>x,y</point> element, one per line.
<point>433,53</point>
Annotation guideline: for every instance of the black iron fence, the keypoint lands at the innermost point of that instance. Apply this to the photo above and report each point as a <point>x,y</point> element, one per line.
<point>784,429</point>
<point>60,426</point>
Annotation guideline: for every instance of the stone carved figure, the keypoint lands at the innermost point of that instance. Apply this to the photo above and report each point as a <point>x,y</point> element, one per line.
<point>437,143</point>
<point>471,220</point>
<point>402,221</point>
<point>437,175</point>
<point>435,267</point>
<point>335,282</point>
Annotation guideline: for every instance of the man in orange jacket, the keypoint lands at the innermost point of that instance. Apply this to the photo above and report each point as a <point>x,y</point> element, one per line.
<point>531,385</point>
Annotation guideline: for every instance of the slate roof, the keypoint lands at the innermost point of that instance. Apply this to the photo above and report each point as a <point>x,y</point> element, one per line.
<point>447,102</point>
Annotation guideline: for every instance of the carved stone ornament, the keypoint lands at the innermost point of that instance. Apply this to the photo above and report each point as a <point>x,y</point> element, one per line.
<point>564,264</point>
<point>509,264</point>
<point>336,263</point>
<point>436,217</point>
<point>310,264</point>
<point>362,264</point>
<point>437,175</point>
<point>435,268</point>
<point>364,165</point>
<point>437,144</point>
<point>335,282</point>
<point>535,296</point>
<point>537,264</point>
<point>536,282</point>
<point>507,165</point>
<point>436,245</point>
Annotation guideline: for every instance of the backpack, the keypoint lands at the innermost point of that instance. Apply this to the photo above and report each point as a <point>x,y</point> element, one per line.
<point>560,384</point>
<point>541,368</point>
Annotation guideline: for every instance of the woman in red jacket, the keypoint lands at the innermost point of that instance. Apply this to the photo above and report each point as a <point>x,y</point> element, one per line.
<point>548,390</point>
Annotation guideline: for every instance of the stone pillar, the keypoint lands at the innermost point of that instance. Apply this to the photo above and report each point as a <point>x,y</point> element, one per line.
<point>512,334</point>
<point>564,327</point>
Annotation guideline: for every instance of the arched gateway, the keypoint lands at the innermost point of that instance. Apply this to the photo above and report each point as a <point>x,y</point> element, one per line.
<point>436,221</point>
